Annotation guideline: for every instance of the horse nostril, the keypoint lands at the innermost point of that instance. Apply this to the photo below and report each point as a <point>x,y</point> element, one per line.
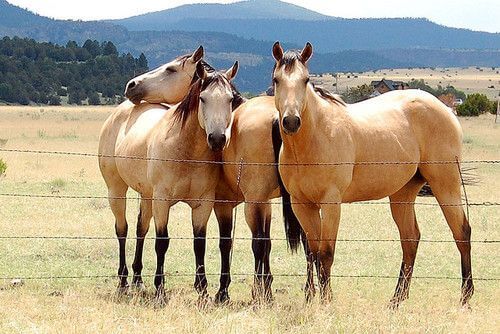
<point>131,85</point>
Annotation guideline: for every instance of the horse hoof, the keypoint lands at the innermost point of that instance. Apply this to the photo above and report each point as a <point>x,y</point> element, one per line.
<point>309,296</point>
<point>203,300</point>
<point>122,290</point>
<point>394,304</point>
<point>139,287</point>
<point>221,298</point>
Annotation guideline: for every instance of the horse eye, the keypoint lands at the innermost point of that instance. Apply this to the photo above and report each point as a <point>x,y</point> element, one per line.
<point>307,81</point>
<point>170,70</point>
<point>275,81</point>
<point>202,100</point>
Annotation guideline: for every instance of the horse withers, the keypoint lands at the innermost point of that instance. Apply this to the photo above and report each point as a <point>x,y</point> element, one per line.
<point>141,148</point>
<point>334,153</point>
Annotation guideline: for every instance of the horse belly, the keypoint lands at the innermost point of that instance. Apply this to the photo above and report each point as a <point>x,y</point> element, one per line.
<point>374,182</point>
<point>132,164</point>
<point>183,183</point>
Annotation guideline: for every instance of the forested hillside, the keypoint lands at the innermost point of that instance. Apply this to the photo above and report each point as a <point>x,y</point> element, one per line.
<point>47,73</point>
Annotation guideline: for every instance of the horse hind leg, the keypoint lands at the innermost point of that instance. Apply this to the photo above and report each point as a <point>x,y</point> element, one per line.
<point>403,213</point>
<point>143,222</point>
<point>118,204</point>
<point>445,183</point>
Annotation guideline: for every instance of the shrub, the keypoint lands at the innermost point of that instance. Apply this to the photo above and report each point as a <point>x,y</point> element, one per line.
<point>475,105</point>
<point>3,167</point>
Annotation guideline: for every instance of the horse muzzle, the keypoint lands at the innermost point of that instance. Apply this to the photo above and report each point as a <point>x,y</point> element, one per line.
<point>134,93</point>
<point>291,124</point>
<point>217,142</point>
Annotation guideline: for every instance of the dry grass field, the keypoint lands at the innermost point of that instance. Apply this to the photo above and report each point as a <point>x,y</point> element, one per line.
<point>89,305</point>
<point>485,80</point>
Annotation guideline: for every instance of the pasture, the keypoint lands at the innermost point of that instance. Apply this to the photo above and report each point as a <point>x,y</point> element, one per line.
<point>484,80</point>
<point>90,304</point>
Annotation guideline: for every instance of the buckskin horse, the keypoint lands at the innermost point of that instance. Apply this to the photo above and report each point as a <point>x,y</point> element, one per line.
<point>336,153</point>
<point>141,146</point>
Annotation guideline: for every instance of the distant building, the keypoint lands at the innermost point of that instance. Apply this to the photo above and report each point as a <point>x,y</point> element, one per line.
<point>384,85</point>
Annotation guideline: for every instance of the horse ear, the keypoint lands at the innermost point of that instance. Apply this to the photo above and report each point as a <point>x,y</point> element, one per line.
<point>197,55</point>
<point>277,51</point>
<point>231,73</point>
<point>306,53</point>
<point>200,71</point>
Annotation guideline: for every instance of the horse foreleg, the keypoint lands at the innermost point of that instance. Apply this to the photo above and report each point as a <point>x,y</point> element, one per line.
<point>328,236</point>
<point>161,210</point>
<point>309,288</point>
<point>118,205</point>
<point>224,213</point>
<point>143,220</point>
<point>200,216</point>
<point>309,218</point>
<point>255,216</point>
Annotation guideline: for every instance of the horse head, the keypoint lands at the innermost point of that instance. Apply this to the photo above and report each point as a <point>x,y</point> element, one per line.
<point>168,83</point>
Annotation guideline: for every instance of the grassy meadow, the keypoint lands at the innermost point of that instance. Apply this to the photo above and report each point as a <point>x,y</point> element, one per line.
<point>90,305</point>
<point>484,80</point>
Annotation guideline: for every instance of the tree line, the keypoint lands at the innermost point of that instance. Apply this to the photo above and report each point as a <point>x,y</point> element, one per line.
<point>47,73</point>
<point>473,104</point>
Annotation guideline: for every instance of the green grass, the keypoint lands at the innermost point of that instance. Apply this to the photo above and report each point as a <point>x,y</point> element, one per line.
<point>90,305</point>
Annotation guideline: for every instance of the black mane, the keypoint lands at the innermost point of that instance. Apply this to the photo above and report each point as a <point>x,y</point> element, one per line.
<point>190,103</point>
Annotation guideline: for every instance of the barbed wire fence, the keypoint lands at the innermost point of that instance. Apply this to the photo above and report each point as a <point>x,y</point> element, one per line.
<point>240,165</point>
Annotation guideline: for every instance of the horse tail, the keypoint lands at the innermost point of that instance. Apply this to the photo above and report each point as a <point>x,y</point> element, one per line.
<point>469,178</point>
<point>293,230</point>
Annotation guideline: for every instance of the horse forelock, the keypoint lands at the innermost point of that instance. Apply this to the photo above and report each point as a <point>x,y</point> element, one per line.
<point>190,103</point>
<point>290,58</point>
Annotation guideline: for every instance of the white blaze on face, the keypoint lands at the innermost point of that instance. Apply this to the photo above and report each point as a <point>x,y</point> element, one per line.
<point>290,89</point>
<point>215,109</point>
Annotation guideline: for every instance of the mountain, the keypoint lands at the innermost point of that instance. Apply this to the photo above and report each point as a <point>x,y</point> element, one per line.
<point>341,34</point>
<point>244,31</point>
<point>244,10</point>
<point>15,21</point>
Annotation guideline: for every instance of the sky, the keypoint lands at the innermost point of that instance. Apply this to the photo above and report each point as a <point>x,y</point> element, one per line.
<point>483,15</point>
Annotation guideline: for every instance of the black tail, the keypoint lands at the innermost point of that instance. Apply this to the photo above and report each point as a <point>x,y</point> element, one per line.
<point>293,229</point>
<point>469,176</point>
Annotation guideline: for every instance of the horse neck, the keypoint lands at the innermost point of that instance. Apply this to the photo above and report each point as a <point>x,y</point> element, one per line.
<point>193,138</point>
<point>313,117</point>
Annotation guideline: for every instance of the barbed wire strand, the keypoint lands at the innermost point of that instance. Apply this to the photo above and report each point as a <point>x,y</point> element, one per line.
<point>292,275</point>
<point>236,163</point>
<point>237,201</point>
<point>99,238</point>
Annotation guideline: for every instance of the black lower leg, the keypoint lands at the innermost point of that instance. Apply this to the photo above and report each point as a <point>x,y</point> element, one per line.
<point>268,277</point>
<point>258,247</point>
<point>403,286</point>
<point>225,244</point>
<point>139,246</point>
<point>199,244</point>
<point>309,288</point>
<point>161,246</point>
<point>122,267</point>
